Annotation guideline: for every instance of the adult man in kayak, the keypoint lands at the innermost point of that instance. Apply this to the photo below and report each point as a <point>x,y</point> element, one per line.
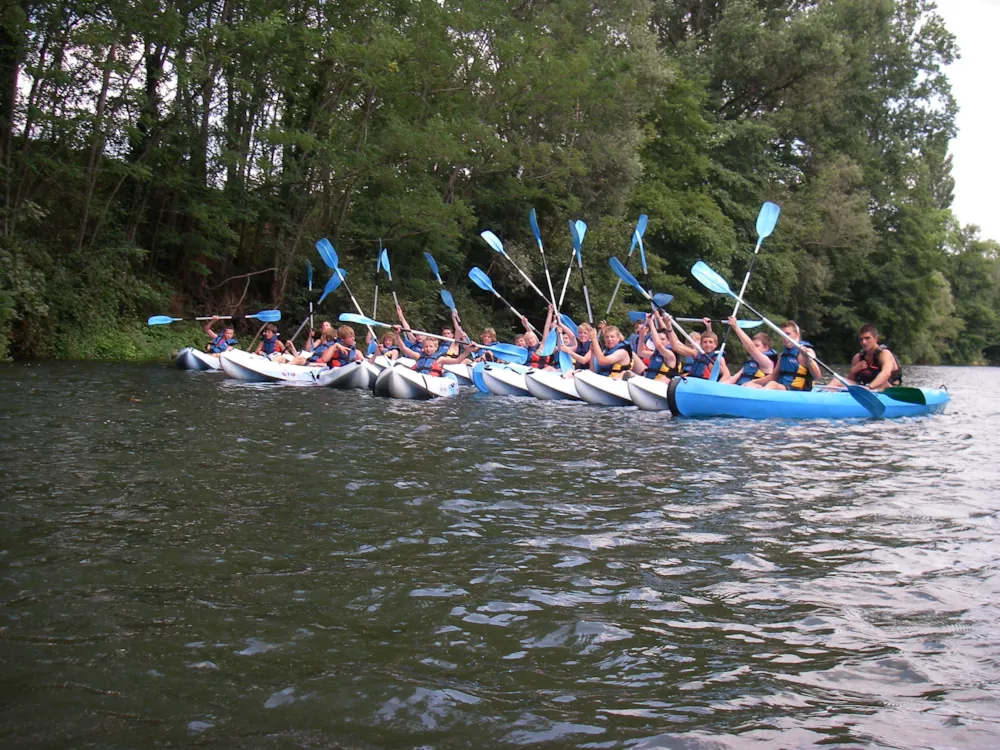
<point>760,356</point>
<point>222,341</point>
<point>874,366</point>
<point>796,368</point>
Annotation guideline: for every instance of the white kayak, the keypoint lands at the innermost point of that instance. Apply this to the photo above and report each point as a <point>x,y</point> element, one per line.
<point>403,383</point>
<point>359,375</point>
<point>550,385</point>
<point>192,359</point>
<point>382,361</point>
<point>461,371</point>
<point>600,390</point>
<point>254,368</point>
<point>506,380</point>
<point>649,394</point>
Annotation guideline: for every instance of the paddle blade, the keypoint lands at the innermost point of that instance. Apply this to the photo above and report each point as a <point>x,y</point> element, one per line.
<point>267,316</point>
<point>577,230</point>
<point>383,260</point>
<point>332,285</point>
<point>448,300</point>
<point>622,273</point>
<point>434,266</point>
<point>309,275</point>
<point>565,361</point>
<point>640,226</point>
<point>371,347</point>
<point>510,353</point>
<point>717,364</point>
<point>161,320</point>
<point>480,279</point>
<point>361,320</point>
<point>767,218</point>
<point>642,257</point>
<point>635,316</point>
<point>709,278</point>
<point>744,324</point>
<point>327,253</point>
<point>568,322</point>
<point>903,393</point>
<point>549,344</point>
<point>867,399</point>
<point>581,229</point>
<point>493,241</point>
<point>662,299</point>
<point>533,221</point>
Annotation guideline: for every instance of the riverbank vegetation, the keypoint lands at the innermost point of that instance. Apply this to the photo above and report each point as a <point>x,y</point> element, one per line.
<point>183,157</point>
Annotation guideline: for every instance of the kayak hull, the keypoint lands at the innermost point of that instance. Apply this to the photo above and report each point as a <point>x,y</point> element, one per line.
<point>356,375</point>
<point>504,381</point>
<point>242,365</point>
<point>461,371</point>
<point>649,394</point>
<point>694,397</point>
<point>600,390</point>
<point>404,383</point>
<point>550,385</point>
<point>192,359</point>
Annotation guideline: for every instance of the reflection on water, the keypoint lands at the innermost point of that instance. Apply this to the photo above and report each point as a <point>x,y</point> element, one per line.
<point>186,557</point>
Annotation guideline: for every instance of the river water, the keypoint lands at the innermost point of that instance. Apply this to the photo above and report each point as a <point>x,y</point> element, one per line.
<point>190,560</point>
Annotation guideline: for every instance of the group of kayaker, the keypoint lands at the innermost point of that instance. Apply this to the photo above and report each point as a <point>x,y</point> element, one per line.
<point>653,350</point>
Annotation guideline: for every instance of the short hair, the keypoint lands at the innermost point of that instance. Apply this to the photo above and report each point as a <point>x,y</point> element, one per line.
<point>764,340</point>
<point>271,327</point>
<point>328,335</point>
<point>793,325</point>
<point>344,331</point>
<point>696,335</point>
<point>710,335</point>
<point>868,328</point>
<point>612,329</point>
<point>586,328</point>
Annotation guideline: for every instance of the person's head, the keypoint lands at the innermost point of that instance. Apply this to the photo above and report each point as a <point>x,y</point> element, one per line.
<point>346,336</point>
<point>386,340</point>
<point>428,346</point>
<point>696,335</point>
<point>868,337</point>
<point>519,340</point>
<point>325,326</point>
<point>488,336</point>
<point>530,339</point>
<point>612,336</point>
<point>568,339</point>
<point>709,341</point>
<point>638,324</point>
<point>448,332</point>
<point>417,338</point>
<point>791,329</point>
<point>762,341</point>
<point>229,332</point>
<point>270,330</point>
<point>328,335</point>
<point>584,333</point>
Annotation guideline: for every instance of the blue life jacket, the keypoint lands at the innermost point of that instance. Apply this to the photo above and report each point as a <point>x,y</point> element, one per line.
<point>657,366</point>
<point>751,370</point>
<point>219,343</point>
<point>428,365</point>
<point>701,365</point>
<point>267,345</point>
<point>581,350</point>
<point>617,367</point>
<point>343,358</point>
<point>319,351</point>
<point>791,373</point>
<point>686,367</point>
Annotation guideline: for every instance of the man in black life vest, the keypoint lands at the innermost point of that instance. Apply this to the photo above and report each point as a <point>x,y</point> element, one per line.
<point>874,366</point>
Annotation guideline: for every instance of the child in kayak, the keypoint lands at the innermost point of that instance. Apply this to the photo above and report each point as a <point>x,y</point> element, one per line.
<point>615,360</point>
<point>703,361</point>
<point>343,351</point>
<point>429,360</point>
<point>221,341</point>
<point>269,344</point>
<point>761,357</point>
<point>533,345</point>
<point>386,348</point>
<point>796,368</point>
<point>662,361</point>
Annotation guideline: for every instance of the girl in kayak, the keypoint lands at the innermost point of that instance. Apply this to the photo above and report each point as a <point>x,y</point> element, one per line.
<point>269,344</point>
<point>580,352</point>
<point>615,360</point>
<point>221,341</point>
<point>796,368</point>
<point>386,348</point>
<point>533,345</point>
<point>703,361</point>
<point>662,364</point>
<point>760,356</point>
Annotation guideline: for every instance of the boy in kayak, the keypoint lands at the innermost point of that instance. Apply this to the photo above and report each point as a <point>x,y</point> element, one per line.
<point>760,356</point>
<point>615,360</point>
<point>221,341</point>
<point>429,360</point>
<point>659,362</point>
<point>796,368</point>
<point>703,361</point>
<point>874,366</point>
<point>343,351</point>
<point>269,344</point>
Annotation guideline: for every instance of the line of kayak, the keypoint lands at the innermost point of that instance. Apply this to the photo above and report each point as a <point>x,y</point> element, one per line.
<point>683,397</point>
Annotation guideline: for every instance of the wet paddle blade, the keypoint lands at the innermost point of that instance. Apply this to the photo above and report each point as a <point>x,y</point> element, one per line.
<point>709,278</point>
<point>903,393</point>
<point>549,345</point>
<point>327,253</point>
<point>493,241</point>
<point>161,320</point>
<point>448,300</point>
<point>267,316</point>
<point>766,219</point>
<point>477,377</point>
<point>565,361</point>
<point>480,279</point>
<point>568,322</point>
<point>332,285</point>
<point>867,399</point>
<point>510,353</point>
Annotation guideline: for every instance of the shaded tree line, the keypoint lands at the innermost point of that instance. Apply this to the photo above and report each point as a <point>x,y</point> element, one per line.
<point>184,157</point>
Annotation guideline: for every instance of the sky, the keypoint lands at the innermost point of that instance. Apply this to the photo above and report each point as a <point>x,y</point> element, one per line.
<point>974,81</point>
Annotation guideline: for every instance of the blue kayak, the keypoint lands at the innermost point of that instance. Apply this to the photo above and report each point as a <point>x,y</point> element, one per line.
<point>694,397</point>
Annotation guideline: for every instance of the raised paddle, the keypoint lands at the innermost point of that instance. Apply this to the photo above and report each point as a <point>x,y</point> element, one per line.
<point>533,221</point>
<point>622,273</point>
<point>744,324</point>
<point>766,219</point>
<point>309,284</point>
<point>264,316</point>
<point>640,229</point>
<point>508,352</point>
<point>581,230</point>
<point>494,242</point>
<point>549,344</point>
<point>446,297</point>
<point>568,322</point>
<point>480,279</point>
<point>577,230</point>
<point>330,288</point>
<point>327,253</point>
<point>712,281</point>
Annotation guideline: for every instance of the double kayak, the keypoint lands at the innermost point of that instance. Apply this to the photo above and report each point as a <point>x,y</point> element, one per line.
<point>600,390</point>
<point>695,397</point>
<point>403,383</point>
<point>550,385</point>
<point>189,358</point>
<point>254,368</point>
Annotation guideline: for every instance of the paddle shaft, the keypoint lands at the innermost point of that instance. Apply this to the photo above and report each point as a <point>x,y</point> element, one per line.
<point>354,299</point>
<point>736,307</point>
<point>586,294</point>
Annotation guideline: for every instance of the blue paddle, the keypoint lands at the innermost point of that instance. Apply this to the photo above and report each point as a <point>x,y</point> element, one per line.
<point>564,361</point>
<point>577,230</point>
<point>568,322</point>
<point>309,284</point>
<point>640,229</point>
<point>446,297</point>
<point>327,253</point>
<point>533,221</point>
<point>549,344</point>
<point>713,282</point>
<point>766,219</point>
<point>331,286</point>
<point>508,352</point>
<point>494,242</point>
<point>264,316</point>
<point>480,279</point>
<point>477,377</point>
